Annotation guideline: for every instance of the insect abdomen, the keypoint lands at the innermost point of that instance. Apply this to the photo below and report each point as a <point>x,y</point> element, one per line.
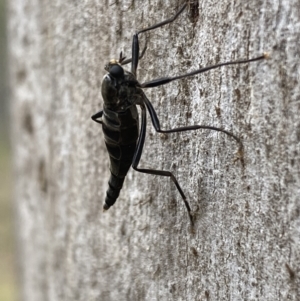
<point>115,185</point>
<point>121,133</point>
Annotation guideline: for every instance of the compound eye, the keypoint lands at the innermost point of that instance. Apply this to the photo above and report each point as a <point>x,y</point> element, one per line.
<point>116,71</point>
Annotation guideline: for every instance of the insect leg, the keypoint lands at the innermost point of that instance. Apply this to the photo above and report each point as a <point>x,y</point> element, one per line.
<point>135,40</point>
<point>164,80</point>
<point>137,157</point>
<point>160,24</point>
<point>96,116</point>
<point>156,125</point>
<point>124,62</point>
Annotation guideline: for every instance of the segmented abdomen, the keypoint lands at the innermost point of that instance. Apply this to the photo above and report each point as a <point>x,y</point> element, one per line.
<point>121,130</point>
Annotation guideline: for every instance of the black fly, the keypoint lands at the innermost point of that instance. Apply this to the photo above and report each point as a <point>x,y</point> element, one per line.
<point>124,141</point>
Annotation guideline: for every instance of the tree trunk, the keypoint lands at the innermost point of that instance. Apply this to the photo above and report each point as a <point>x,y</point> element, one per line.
<point>246,239</point>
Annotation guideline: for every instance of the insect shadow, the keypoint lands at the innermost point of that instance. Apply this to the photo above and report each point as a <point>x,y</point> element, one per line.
<point>122,92</point>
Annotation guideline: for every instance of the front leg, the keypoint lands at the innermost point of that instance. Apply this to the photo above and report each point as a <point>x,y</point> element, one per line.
<point>96,116</point>
<point>135,40</point>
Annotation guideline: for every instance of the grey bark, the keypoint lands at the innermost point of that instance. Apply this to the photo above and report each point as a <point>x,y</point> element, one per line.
<point>247,232</point>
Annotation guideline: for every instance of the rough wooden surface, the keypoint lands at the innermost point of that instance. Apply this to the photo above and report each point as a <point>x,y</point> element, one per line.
<point>247,234</point>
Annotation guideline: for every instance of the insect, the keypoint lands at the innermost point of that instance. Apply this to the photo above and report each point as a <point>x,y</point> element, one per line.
<point>122,92</point>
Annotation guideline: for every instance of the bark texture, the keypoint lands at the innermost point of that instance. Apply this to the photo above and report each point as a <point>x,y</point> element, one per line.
<point>246,243</point>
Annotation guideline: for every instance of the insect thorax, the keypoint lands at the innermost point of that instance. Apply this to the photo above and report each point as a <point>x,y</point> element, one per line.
<point>119,94</point>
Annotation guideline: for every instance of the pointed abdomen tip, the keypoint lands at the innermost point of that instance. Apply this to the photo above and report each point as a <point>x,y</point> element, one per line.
<point>105,207</point>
